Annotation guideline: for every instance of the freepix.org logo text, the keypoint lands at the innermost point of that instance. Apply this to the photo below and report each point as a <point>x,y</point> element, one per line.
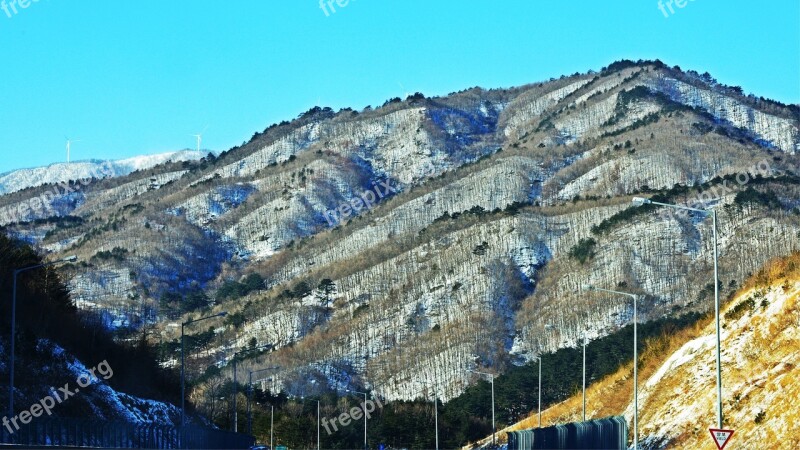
<point>56,397</point>
<point>667,5</point>
<point>329,6</point>
<point>12,7</point>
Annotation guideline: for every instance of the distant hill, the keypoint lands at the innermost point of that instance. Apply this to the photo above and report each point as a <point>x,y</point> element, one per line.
<point>17,180</point>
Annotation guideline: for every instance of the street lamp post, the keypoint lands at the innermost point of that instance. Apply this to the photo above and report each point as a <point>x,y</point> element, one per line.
<point>250,396</point>
<point>236,385</point>
<point>318,421</point>
<point>365,416</point>
<point>183,362</point>
<point>235,410</point>
<point>540,390</point>
<point>14,325</point>
<point>435,410</point>
<point>635,358</point>
<point>584,377</point>
<point>491,378</point>
<point>639,201</point>
<point>271,425</point>
<point>318,417</point>
<point>436,413</point>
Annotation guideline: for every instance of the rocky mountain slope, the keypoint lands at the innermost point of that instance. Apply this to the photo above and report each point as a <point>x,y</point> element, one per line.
<point>414,241</point>
<point>100,401</point>
<point>761,347</point>
<point>66,360</point>
<point>16,180</point>
<point>677,394</point>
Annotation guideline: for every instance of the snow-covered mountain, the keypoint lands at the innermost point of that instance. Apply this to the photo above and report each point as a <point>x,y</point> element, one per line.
<point>431,235</point>
<point>20,179</point>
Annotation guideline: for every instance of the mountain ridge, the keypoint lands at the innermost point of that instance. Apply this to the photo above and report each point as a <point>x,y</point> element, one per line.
<point>19,179</point>
<point>468,263</point>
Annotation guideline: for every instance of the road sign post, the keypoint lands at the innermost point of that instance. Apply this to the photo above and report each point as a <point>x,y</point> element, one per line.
<point>721,437</point>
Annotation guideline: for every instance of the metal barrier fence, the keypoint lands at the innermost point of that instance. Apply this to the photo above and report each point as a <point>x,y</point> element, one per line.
<point>91,433</point>
<point>609,433</point>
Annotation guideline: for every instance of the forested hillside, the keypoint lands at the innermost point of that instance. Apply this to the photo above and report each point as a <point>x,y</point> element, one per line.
<point>394,248</point>
<point>57,343</point>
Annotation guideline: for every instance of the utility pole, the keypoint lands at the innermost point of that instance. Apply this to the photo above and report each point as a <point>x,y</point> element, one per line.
<point>584,377</point>
<point>640,201</point>
<point>540,391</point>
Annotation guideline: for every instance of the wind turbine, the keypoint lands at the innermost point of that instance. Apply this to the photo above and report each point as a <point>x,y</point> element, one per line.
<point>69,143</point>
<point>407,94</point>
<point>199,140</point>
<point>199,137</point>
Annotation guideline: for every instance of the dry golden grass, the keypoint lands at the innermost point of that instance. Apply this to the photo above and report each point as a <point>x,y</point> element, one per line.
<point>613,393</point>
<point>760,391</point>
<point>774,272</point>
<point>761,386</point>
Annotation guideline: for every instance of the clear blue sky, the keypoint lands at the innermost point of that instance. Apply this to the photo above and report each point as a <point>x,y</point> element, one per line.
<point>140,77</point>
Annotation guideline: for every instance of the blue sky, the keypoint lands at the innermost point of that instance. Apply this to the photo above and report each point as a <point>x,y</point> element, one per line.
<point>131,78</point>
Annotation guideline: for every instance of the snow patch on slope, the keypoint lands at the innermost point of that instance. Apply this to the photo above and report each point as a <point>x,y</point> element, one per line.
<point>18,180</point>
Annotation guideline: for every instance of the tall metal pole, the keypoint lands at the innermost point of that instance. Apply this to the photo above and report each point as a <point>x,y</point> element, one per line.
<point>365,422</point>
<point>250,395</point>
<point>643,201</point>
<point>635,357</point>
<point>183,366</point>
<point>716,315</point>
<point>436,415</point>
<point>635,375</point>
<point>13,341</point>
<point>491,378</point>
<point>494,428</point>
<point>249,400</point>
<point>271,424</point>
<point>435,409</point>
<point>183,389</point>
<point>365,416</point>
<point>235,410</point>
<point>236,386</point>
<point>318,441</point>
<point>12,357</point>
<point>183,393</point>
<point>540,392</point>
<point>584,378</point>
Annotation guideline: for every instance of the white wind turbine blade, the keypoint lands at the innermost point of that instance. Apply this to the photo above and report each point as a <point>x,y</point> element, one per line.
<point>199,138</point>
<point>69,146</point>
<point>403,88</point>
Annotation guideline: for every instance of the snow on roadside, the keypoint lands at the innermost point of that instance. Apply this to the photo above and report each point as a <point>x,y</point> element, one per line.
<point>759,353</point>
<point>109,404</point>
